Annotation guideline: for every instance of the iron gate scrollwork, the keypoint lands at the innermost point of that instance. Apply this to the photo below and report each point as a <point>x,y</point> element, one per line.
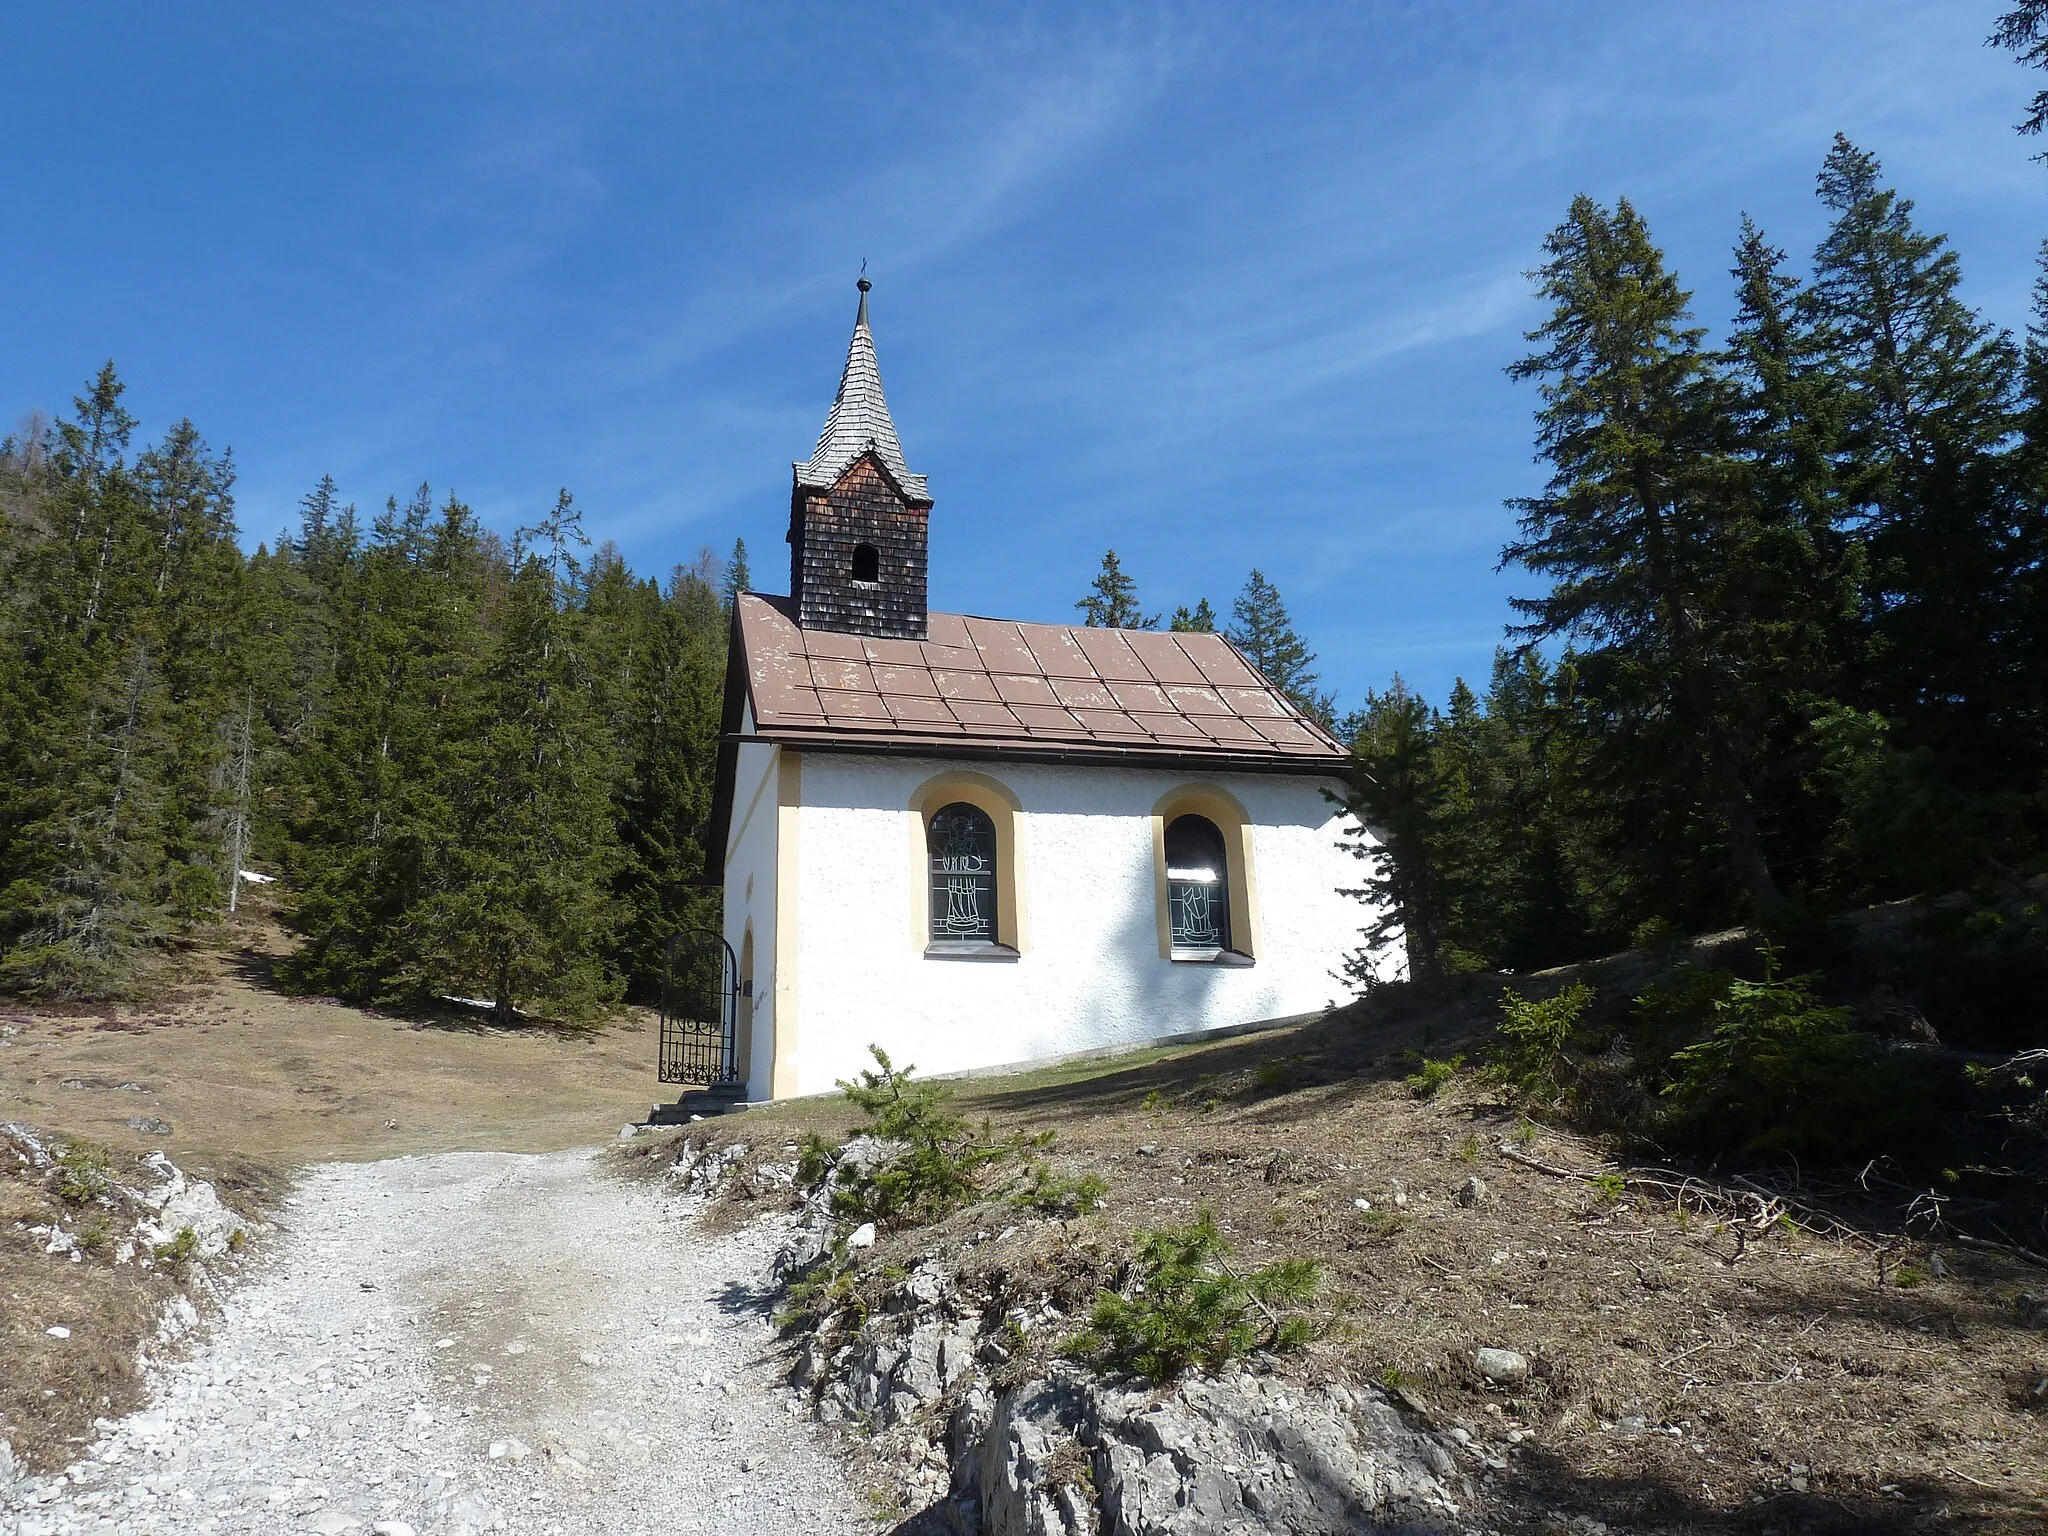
<point>700,995</point>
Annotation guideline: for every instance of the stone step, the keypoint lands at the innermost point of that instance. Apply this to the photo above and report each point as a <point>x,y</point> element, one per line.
<point>723,1100</point>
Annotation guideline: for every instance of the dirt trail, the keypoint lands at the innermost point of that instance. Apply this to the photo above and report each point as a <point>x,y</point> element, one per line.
<point>468,1342</point>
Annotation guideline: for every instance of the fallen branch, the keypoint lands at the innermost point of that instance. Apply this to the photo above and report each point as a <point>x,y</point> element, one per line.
<point>1552,1169</point>
<point>1680,1188</point>
<point>1432,1263</point>
<point>2026,1254</point>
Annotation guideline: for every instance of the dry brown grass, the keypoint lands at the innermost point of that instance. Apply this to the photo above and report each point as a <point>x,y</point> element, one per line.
<point>252,1084</point>
<point>52,1388</point>
<point>1902,1407</point>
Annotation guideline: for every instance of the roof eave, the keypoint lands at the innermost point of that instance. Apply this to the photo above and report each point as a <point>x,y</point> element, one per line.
<point>1298,765</point>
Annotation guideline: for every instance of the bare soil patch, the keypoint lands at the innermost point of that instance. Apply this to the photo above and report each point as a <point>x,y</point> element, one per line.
<point>1818,1374</point>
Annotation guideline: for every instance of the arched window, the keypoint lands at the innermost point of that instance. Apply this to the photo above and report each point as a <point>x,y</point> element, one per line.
<point>867,563</point>
<point>1197,887</point>
<point>961,841</point>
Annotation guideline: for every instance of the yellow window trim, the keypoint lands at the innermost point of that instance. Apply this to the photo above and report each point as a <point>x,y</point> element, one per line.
<point>1235,823</point>
<point>1003,808</point>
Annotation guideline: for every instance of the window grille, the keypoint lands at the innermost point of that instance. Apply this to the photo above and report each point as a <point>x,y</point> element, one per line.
<point>1197,886</point>
<point>962,840</point>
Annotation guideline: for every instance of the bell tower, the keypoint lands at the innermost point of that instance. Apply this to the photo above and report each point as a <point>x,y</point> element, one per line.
<point>859,520</point>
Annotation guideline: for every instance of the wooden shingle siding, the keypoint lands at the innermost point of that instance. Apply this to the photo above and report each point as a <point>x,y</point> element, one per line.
<point>825,529</point>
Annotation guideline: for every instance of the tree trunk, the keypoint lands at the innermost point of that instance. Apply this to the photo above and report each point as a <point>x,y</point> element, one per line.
<point>1745,844</point>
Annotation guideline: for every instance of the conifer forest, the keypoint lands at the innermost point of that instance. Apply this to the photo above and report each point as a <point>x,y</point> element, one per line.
<point>481,769</point>
<point>1781,653</point>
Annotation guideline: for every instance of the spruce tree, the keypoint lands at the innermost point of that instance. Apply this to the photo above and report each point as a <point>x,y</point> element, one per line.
<point>1634,529</point>
<point>523,911</point>
<point>1394,795</point>
<point>2024,29</point>
<point>1544,892</point>
<point>1112,600</point>
<point>1260,628</point>
<point>2027,474</point>
<point>107,853</point>
<point>1198,620</point>
<point>1927,401</point>
<point>187,494</point>
<point>397,754</point>
<point>738,577</point>
<point>670,740</point>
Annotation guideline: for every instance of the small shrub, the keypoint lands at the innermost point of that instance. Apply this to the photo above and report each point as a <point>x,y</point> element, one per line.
<point>1779,1072</point>
<point>1154,1102</point>
<point>1468,1148</point>
<point>813,1161</point>
<point>84,1171</point>
<point>1608,1187</point>
<point>1535,1037</point>
<point>1430,1075</point>
<point>93,1236</point>
<point>940,1166</point>
<point>1671,1014</point>
<point>175,1258</point>
<point>1380,1225</point>
<point>1191,1309</point>
<point>829,1286</point>
<point>1050,1195</point>
<point>1273,1074</point>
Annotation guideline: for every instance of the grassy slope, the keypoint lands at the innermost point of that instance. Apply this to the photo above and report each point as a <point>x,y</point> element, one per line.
<point>1899,1408</point>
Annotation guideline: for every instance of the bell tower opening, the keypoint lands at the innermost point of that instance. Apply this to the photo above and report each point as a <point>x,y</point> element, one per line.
<point>859,519</point>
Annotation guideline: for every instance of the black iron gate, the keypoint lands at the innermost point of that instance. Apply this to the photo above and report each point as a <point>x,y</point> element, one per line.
<point>700,996</point>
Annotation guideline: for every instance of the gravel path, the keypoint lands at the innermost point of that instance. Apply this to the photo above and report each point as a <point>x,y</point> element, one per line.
<point>466,1343</point>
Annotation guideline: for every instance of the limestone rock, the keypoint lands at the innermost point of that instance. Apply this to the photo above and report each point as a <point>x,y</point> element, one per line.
<point>1028,1461</point>
<point>1472,1191</point>
<point>1238,1453</point>
<point>1504,1367</point>
<point>177,1203</point>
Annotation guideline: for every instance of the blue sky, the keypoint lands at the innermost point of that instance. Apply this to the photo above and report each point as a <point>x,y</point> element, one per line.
<point>1220,286</point>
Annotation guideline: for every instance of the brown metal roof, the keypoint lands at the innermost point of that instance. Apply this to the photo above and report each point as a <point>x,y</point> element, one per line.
<point>989,686</point>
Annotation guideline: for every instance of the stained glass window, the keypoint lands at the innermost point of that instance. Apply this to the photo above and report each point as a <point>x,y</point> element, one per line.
<point>962,841</point>
<point>1197,885</point>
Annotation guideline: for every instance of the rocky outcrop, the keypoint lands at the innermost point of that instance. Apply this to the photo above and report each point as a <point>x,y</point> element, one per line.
<point>1066,1452</point>
<point>1225,1455</point>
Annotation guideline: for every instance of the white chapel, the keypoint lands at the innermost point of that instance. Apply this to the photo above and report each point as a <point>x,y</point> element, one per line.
<point>977,841</point>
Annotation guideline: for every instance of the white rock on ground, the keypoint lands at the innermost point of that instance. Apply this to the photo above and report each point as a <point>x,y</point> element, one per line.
<point>319,1402</point>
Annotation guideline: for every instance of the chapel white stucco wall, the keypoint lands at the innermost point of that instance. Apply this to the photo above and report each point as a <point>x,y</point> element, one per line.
<point>1091,973</point>
<point>750,896</point>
